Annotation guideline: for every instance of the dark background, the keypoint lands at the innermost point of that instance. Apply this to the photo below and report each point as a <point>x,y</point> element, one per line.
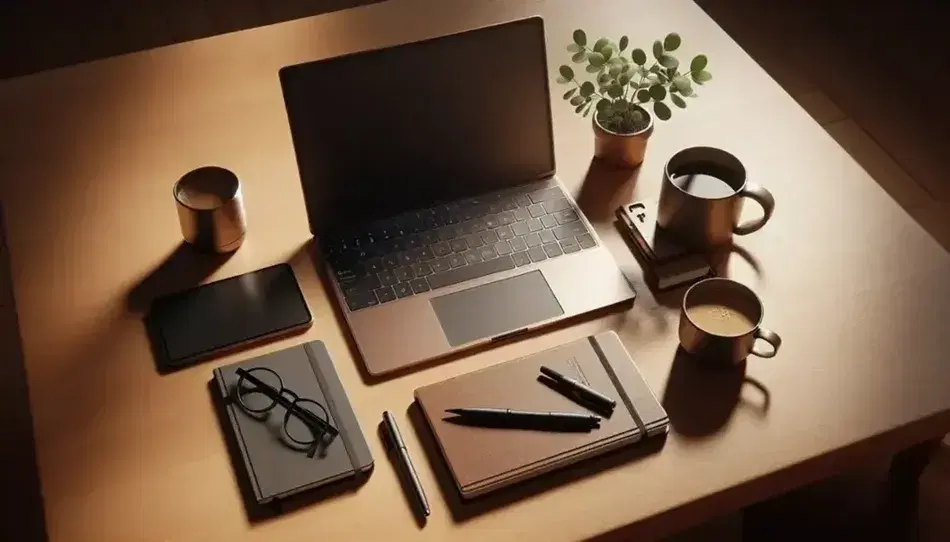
<point>37,35</point>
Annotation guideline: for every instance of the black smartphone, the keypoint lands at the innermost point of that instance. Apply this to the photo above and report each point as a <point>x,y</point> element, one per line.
<point>195,324</point>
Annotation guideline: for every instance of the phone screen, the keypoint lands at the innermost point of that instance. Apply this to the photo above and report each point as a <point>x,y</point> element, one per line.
<point>193,324</point>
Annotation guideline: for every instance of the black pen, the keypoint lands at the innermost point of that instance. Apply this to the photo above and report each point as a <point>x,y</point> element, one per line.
<point>567,420</point>
<point>580,391</point>
<point>399,447</point>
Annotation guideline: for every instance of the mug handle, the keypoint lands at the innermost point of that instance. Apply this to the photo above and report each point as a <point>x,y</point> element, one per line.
<point>764,198</point>
<point>770,337</point>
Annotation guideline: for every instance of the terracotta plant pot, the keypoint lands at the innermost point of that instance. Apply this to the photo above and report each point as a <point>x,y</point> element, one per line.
<point>624,150</point>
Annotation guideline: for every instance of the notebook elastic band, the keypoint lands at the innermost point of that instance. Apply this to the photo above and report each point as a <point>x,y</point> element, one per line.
<point>347,444</point>
<point>616,382</point>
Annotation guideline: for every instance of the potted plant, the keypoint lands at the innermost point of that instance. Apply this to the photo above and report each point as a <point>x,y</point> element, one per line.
<point>625,87</point>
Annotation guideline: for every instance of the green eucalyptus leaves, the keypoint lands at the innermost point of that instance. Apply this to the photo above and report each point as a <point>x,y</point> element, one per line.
<point>627,83</point>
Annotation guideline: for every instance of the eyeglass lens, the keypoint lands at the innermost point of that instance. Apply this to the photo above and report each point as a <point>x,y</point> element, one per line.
<point>250,397</point>
<point>306,422</point>
<point>300,432</point>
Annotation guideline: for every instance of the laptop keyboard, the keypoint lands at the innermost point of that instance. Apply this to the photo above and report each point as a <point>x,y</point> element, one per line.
<point>447,244</point>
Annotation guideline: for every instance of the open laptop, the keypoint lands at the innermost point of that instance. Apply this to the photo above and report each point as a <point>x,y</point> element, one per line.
<point>428,173</point>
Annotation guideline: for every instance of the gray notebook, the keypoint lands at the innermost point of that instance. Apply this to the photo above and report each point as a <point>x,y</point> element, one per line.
<point>275,468</point>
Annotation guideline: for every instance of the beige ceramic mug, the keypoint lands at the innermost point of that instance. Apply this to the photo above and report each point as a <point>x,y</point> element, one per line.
<point>211,209</point>
<point>702,195</point>
<point>721,319</point>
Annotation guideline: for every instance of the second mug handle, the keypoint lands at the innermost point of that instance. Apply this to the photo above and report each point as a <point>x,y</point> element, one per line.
<point>770,337</point>
<point>765,199</point>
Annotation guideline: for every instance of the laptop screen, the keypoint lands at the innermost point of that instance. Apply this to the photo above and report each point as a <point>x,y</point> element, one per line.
<point>385,131</point>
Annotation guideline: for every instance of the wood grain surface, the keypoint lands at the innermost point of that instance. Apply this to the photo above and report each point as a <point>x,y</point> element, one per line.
<point>856,288</point>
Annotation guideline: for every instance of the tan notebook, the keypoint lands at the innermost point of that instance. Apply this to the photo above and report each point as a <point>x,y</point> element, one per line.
<point>484,459</point>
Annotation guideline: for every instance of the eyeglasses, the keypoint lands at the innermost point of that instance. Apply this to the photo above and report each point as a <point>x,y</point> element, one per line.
<point>306,422</point>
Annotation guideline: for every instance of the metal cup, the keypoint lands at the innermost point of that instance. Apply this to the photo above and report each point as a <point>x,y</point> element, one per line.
<point>707,221</point>
<point>211,209</point>
<point>708,338</point>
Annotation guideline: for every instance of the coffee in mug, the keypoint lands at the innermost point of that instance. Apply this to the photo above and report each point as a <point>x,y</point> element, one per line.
<point>707,180</point>
<point>722,319</point>
<point>702,195</point>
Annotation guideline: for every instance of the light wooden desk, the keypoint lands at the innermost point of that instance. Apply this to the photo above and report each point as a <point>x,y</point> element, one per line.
<point>859,292</point>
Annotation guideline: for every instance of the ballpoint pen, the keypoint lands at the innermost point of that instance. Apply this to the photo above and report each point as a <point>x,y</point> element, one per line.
<point>395,442</point>
<point>507,417</point>
<point>580,392</point>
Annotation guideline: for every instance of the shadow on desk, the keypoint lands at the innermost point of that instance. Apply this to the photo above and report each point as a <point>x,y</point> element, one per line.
<point>21,516</point>
<point>604,189</point>
<point>463,510</point>
<point>718,260</point>
<point>309,250</point>
<point>183,268</point>
<point>700,398</point>
<point>256,512</point>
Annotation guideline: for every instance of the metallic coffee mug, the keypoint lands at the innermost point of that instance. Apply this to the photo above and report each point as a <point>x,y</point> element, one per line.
<point>211,209</point>
<point>721,319</point>
<point>702,195</point>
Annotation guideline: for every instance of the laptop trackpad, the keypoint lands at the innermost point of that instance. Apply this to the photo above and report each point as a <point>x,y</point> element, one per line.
<point>496,308</point>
